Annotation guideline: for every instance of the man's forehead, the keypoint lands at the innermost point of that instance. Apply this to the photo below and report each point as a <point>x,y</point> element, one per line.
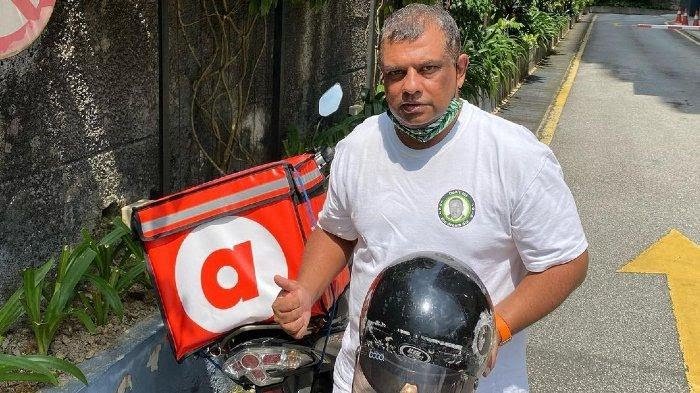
<point>429,47</point>
<point>416,63</point>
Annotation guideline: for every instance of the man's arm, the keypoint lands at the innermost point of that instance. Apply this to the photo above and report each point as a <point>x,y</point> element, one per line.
<point>324,257</point>
<point>538,294</point>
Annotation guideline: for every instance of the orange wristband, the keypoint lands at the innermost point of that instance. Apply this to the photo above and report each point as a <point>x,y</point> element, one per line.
<point>503,329</point>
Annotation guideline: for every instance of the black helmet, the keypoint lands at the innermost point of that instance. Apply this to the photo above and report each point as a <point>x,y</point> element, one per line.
<point>426,326</point>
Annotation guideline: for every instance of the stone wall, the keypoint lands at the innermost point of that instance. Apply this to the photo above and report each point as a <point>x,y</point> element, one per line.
<point>79,111</point>
<point>78,127</point>
<point>319,48</point>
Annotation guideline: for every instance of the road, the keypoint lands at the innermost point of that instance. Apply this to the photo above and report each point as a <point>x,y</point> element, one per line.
<point>628,142</point>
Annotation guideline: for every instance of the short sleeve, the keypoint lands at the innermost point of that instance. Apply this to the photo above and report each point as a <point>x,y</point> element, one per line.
<point>545,223</point>
<point>336,217</point>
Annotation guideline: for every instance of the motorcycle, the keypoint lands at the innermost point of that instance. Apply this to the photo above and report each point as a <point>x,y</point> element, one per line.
<point>212,253</point>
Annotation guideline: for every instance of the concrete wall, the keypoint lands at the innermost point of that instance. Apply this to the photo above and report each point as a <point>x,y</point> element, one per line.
<point>78,127</point>
<point>190,37</point>
<point>319,48</point>
<point>79,111</point>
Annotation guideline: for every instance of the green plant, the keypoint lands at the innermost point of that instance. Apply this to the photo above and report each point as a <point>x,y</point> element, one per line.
<point>579,5</point>
<point>494,54</point>
<point>12,310</point>
<point>542,25</point>
<point>298,142</point>
<point>36,368</point>
<point>48,304</point>
<point>119,264</point>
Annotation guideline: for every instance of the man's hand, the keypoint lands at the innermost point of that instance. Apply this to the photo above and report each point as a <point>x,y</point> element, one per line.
<point>292,308</point>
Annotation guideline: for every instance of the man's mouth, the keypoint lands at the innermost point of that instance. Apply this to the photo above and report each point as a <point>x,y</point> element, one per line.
<point>412,107</point>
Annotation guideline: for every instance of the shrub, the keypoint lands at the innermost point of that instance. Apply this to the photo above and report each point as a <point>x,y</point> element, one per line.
<point>12,310</point>
<point>45,317</point>
<point>119,264</point>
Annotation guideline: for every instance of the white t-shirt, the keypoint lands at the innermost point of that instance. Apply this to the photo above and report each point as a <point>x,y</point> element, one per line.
<point>516,214</point>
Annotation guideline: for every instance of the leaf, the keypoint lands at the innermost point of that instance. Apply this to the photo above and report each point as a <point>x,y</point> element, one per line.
<point>32,296</point>
<point>130,277</point>
<point>63,261</point>
<point>12,310</point>
<point>29,377</point>
<point>65,293</point>
<point>85,319</point>
<point>266,5</point>
<point>22,363</point>
<point>115,235</point>
<point>110,294</point>
<point>60,365</point>
<point>135,248</point>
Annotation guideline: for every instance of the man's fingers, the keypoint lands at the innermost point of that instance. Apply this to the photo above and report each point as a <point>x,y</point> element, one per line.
<point>289,309</point>
<point>286,302</point>
<point>295,328</point>
<point>286,284</point>
<point>286,317</point>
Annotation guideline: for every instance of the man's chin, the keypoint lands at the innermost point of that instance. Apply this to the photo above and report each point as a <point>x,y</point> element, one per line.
<point>415,121</point>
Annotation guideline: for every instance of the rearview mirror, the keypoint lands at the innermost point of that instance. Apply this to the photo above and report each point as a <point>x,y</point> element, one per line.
<point>330,100</point>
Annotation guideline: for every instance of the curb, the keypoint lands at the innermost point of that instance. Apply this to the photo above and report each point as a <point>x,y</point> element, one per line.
<point>627,10</point>
<point>690,36</point>
<point>143,362</point>
<point>687,34</point>
<point>545,131</point>
<point>530,103</point>
<point>526,66</point>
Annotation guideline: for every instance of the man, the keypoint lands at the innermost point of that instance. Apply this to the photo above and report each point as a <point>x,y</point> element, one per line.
<point>456,208</point>
<point>390,189</point>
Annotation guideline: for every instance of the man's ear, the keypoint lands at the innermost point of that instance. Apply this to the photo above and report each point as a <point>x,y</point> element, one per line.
<point>462,64</point>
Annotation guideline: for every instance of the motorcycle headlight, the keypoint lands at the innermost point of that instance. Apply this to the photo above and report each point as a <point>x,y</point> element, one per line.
<point>266,365</point>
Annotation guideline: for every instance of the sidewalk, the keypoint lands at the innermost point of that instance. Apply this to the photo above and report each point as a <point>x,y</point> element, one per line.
<point>692,34</point>
<point>529,105</point>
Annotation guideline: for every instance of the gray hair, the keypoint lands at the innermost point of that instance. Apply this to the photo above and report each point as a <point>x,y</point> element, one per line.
<point>410,22</point>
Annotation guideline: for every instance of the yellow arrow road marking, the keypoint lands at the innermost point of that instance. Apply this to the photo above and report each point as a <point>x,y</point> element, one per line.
<point>679,258</point>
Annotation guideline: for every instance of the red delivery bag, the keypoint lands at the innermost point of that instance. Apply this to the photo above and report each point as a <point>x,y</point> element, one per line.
<point>214,249</point>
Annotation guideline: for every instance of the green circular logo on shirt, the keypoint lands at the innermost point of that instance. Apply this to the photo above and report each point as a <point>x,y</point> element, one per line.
<point>456,208</point>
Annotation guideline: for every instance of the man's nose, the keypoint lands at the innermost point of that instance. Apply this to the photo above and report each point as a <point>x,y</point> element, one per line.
<point>411,83</point>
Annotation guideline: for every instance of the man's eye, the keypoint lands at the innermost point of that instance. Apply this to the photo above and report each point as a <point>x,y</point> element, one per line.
<point>429,69</point>
<point>395,74</point>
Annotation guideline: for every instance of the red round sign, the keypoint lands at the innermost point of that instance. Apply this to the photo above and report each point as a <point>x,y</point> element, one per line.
<point>21,22</point>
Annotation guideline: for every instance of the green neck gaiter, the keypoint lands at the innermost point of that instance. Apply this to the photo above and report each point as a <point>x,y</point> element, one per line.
<point>424,134</point>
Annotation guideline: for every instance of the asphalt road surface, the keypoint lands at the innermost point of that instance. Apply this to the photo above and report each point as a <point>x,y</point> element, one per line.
<point>628,141</point>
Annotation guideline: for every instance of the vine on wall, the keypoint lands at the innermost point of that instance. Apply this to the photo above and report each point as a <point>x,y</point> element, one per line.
<point>227,41</point>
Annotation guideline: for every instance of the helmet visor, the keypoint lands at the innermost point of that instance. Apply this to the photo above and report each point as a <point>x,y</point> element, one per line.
<point>382,371</point>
